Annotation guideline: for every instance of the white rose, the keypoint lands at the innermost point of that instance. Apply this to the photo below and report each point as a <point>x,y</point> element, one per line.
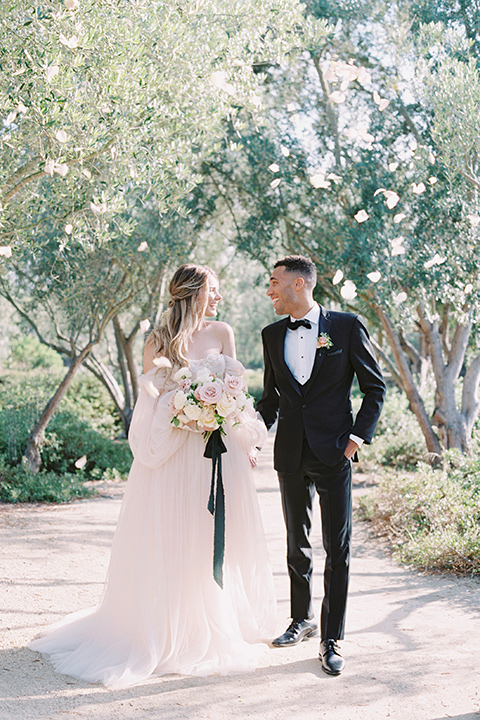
<point>182,374</point>
<point>207,419</point>
<point>192,411</point>
<point>203,375</point>
<point>180,400</point>
<point>226,405</point>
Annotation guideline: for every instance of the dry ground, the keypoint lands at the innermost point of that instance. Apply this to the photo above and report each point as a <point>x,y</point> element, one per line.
<point>412,646</point>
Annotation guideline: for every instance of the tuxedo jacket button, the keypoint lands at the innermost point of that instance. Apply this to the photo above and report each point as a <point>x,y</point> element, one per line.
<point>304,406</point>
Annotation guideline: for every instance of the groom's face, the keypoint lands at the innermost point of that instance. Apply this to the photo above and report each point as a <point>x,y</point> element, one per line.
<point>282,292</point>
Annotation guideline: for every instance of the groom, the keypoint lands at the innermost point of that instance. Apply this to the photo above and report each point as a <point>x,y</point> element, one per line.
<point>311,358</point>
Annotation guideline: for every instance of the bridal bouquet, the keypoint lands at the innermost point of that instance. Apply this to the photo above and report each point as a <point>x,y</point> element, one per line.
<point>205,402</point>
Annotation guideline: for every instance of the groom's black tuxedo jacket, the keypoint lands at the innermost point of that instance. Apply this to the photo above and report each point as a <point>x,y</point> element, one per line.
<point>321,410</point>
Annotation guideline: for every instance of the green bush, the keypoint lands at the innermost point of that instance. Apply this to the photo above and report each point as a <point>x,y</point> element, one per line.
<point>18,484</point>
<point>432,516</point>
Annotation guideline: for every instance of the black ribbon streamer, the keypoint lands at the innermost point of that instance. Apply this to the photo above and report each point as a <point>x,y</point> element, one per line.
<point>216,503</point>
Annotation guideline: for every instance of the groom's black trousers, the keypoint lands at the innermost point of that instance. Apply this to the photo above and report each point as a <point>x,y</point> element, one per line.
<point>334,487</point>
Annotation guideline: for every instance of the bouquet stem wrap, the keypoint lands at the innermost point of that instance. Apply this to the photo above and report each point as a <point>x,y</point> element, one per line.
<point>216,503</point>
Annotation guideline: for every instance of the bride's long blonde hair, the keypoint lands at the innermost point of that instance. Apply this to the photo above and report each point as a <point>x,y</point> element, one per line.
<point>184,314</point>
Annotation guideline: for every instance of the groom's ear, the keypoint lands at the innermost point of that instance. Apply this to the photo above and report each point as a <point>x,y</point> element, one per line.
<point>299,282</point>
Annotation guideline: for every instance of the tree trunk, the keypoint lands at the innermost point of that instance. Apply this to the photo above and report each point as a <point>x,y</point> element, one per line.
<point>106,377</point>
<point>32,452</point>
<point>408,382</point>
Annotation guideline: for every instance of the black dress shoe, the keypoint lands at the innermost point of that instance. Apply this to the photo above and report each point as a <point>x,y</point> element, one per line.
<point>332,662</point>
<point>297,631</point>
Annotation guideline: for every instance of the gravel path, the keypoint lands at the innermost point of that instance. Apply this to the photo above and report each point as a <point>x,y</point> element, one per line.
<point>412,645</point>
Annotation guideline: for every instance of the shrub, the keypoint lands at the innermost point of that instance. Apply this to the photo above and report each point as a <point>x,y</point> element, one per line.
<point>18,484</point>
<point>432,516</point>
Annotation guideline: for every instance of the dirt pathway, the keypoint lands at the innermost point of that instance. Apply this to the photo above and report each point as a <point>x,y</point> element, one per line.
<point>412,646</point>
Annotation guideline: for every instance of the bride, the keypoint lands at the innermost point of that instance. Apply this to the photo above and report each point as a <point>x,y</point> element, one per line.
<point>162,611</point>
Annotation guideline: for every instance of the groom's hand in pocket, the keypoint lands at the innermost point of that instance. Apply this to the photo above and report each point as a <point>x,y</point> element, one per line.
<point>351,449</point>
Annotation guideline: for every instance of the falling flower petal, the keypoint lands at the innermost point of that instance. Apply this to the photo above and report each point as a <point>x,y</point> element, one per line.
<point>348,290</point>
<point>383,104</point>
<point>318,181</point>
<point>86,173</point>
<point>285,151</point>
<point>432,180</point>
<point>361,216</point>
<point>374,276</point>
<point>435,260</point>
<point>474,220</point>
<point>334,177</point>
<point>218,78</point>
<point>338,97</point>
<point>21,108</point>
<point>81,462</point>
<point>400,298</point>
<point>144,325</point>
<point>51,72</point>
<point>376,97</point>
<point>431,158</point>
<point>393,166</point>
<point>418,189</point>
<point>399,217</point>
<point>143,246</point>
<point>291,107</point>
<point>274,167</point>
<point>71,43</point>
<point>344,85</point>
<point>69,229</point>
<point>392,198</point>
<point>380,190</point>
<point>397,247</point>
<point>61,136</point>
<point>62,169</point>
<point>49,167</point>
<point>11,117</point>
<point>72,4</point>
<point>468,288</point>
<point>5,251</point>
<point>363,76</point>
<point>98,209</point>
<point>275,183</point>
<point>338,277</point>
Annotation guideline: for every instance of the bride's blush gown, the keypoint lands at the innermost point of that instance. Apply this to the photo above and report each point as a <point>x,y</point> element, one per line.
<point>161,609</point>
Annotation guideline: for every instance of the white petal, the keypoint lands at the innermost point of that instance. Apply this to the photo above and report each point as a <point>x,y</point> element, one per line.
<point>338,277</point>
<point>86,173</point>
<point>383,104</point>
<point>144,325</point>
<point>432,180</point>
<point>393,166</point>
<point>71,4</point>
<point>143,246</point>
<point>334,177</point>
<point>51,72</point>
<point>338,97</point>
<point>399,217</point>
<point>376,97</point>
<point>275,183</point>
<point>11,117</point>
<point>380,190</point>
<point>468,288</point>
<point>361,216</point>
<point>62,169</point>
<point>392,198</point>
<point>69,229</point>
<point>218,78</point>
<point>61,136</point>
<point>431,158</point>
<point>49,167</point>
<point>274,167</point>
<point>400,298</point>
<point>5,251</point>
<point>318,181</point>
<point>374,276</point>
<point>285,151</point>
<point>348,290</point>
<point>418,189</point>
<point>81,462</point>
<point>21,108</point>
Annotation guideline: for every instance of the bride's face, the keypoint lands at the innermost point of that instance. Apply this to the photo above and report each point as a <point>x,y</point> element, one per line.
<point>213,296</point>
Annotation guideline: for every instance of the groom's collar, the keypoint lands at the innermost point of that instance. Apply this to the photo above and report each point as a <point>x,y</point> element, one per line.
<point>313,314</point>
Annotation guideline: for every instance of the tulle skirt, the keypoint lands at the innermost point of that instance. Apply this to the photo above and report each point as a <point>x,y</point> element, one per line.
<point>161,610</point>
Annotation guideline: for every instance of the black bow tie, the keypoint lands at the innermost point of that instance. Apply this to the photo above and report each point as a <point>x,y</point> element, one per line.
<point>295,324</point>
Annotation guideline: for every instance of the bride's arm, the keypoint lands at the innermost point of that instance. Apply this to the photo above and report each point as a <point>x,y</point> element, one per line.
<point>228,340</point>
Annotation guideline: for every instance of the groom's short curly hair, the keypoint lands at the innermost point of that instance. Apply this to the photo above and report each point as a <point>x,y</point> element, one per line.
<point>302,266</point>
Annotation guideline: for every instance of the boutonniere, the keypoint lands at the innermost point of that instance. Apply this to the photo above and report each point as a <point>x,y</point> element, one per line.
<point>324,341</point>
